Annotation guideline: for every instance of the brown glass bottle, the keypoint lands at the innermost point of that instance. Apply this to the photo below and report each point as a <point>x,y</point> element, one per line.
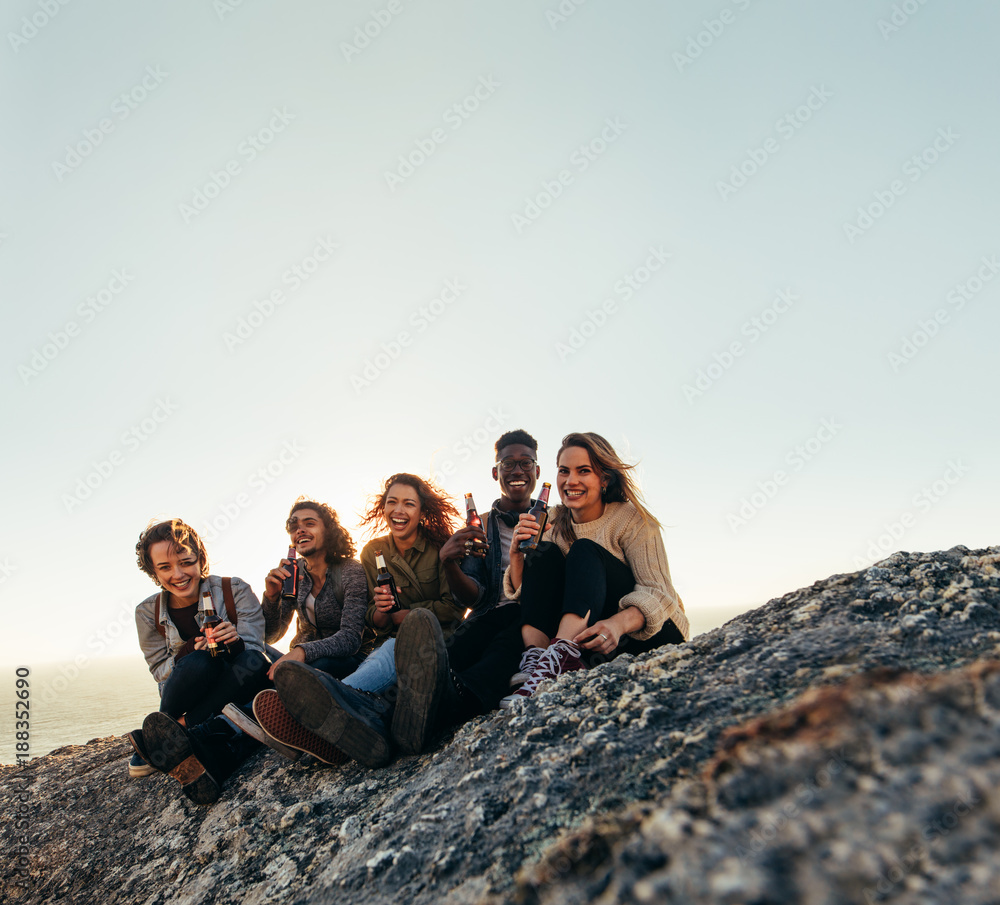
<point>208,618</point>
<point>384,579</point>
<point>290,586</point>
<point>472,519</point>
<point>540,510</point>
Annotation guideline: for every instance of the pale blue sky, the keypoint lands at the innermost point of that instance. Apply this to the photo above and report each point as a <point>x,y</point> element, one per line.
<point>492,355</point>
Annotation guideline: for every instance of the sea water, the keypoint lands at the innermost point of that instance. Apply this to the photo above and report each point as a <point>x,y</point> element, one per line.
<point>71,706</point>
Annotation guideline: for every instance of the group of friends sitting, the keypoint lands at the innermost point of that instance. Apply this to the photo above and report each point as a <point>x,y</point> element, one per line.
<point>476,621</point>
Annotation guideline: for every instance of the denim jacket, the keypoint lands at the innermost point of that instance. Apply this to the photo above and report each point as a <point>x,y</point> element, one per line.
<point>487,571</point>
<point>159,651</point>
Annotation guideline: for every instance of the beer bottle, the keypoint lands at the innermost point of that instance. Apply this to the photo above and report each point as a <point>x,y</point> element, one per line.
<point>384,579</point>
<point>208,618</point>
<point>290,586</point>
<point>472,520</point>
<point>540,510</point>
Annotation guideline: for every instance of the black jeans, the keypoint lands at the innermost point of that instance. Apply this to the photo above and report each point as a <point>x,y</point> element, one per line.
<point>587,579</point>
<point>200,685</point>
<point>485,652</point>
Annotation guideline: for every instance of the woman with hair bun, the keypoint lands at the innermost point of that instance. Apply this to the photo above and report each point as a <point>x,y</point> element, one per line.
<point>599,583</point>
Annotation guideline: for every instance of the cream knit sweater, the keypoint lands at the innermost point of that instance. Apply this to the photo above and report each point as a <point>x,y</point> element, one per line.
<point>622,532</point>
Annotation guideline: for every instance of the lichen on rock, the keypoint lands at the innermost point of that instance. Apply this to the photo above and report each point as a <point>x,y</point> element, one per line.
<point>790,755</point>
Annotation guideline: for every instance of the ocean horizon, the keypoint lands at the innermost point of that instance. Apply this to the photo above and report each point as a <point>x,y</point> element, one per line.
<point>71,705</point>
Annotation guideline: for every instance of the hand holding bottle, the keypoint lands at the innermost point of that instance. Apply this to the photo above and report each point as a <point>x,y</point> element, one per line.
<point>387,611</point>
<point>466,541</point>
<point>526,528</point>
<point>221,633</point>
<point>276,579</point>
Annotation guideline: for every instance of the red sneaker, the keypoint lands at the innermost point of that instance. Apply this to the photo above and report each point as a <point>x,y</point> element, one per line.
<point>278,723</point>
<point>559,657</point>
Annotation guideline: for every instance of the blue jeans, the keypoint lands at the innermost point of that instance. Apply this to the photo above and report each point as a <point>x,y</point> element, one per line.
<point>378,672</point>
<point>338,667</point>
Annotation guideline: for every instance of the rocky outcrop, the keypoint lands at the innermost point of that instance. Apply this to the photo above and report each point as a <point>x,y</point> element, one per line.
<point>788,756</point>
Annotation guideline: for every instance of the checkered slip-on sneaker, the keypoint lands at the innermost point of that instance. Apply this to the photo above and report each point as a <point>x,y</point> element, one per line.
<point>281,726</point>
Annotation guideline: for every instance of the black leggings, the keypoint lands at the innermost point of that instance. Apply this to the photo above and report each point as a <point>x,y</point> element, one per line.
<point>485,652</point>
<point>588,578</point>
<point>200,685</point>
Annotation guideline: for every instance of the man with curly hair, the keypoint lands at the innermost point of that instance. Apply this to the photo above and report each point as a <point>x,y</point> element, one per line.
<point>332,594</point>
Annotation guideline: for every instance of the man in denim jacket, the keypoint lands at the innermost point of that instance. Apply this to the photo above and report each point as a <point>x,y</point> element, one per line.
<point>475,572</point>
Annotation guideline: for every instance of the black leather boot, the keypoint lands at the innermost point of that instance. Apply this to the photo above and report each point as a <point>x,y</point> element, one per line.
<point>357,722</point>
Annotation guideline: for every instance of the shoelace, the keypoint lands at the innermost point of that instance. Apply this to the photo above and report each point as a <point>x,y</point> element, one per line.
<point>548,667</point>
<point>529,659</point>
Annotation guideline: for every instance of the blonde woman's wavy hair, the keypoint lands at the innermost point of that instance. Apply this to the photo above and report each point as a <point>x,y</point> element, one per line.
<point>608,465</point>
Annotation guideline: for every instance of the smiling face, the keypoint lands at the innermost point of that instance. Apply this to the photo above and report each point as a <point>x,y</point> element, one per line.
<point>401,511</point>
<point>306,532</point>
<point>518,483</point>
<point>177,570</point>
<point>579,485</point>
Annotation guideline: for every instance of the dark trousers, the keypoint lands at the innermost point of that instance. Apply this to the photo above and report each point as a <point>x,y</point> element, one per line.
<point>587,579</point>
<point>484,653</point>
<point>200,685</point>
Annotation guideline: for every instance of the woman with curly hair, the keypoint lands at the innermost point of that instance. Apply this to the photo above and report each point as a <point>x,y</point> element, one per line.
<point>332,593</point>
<point>420,519</point>
<point>350,715</point>
<point>599,583</point>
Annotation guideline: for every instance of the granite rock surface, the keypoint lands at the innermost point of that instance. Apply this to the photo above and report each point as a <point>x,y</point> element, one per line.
<point>838,744</point>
